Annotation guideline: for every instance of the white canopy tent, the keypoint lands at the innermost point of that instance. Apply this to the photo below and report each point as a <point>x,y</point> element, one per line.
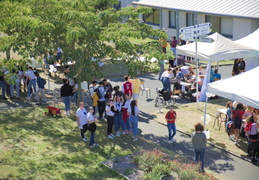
<point>252,41</point>
<point>242,88</point>
<point>221,49</point>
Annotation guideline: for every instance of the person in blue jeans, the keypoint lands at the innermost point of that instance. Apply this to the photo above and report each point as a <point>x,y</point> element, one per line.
<point>199,142</point>
<point>65,94</point>
<point>170,117</point>
<point>133,113</point>
<point>91,126</point>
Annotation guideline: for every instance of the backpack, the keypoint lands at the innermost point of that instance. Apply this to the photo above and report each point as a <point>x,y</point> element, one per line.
<point>44,81</point>
<point>98,93</point>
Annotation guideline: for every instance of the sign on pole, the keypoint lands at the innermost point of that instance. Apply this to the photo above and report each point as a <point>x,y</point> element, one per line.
<point>193,33</point>
<point>190,33</point>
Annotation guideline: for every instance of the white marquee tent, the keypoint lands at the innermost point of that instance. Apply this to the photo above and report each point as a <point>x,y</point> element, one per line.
<point>221,49</point>
<point>242,88</point>
<point>252,41</point>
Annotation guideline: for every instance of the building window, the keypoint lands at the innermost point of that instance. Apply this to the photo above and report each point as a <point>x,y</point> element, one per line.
<point>189,19</point>
<point>117,6</point>
<point>152,18</point>
<point>172,19</point>
<point>221,25</point>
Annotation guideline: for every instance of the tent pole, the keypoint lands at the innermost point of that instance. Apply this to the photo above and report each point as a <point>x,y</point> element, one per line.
<point>196,59</point>
<point>205,110</point>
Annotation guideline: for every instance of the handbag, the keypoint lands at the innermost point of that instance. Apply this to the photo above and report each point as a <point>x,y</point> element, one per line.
<point>92,127</point>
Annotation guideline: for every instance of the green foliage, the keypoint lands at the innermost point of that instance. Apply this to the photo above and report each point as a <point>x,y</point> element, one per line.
<point>83,29</point>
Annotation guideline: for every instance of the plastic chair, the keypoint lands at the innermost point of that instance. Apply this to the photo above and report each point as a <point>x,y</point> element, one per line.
<point>147,90</point>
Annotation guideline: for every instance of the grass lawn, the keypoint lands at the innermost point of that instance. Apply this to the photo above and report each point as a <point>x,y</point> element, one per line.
<point>36,146</point>
<point>188,115</point>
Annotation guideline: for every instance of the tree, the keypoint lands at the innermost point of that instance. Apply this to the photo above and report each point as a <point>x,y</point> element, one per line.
<point>85,29</point>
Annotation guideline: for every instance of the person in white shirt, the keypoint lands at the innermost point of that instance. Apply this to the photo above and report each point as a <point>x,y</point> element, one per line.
<point>81,120</point>
<point>110,109</point>
<point>165,78</point>
<point>30,76</point>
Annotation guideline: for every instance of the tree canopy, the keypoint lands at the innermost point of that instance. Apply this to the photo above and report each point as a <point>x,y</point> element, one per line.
<point>84,29</point>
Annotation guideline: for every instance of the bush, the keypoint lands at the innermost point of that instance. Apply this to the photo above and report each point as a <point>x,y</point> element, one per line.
<point>146,160</point>
<point>155,167</point>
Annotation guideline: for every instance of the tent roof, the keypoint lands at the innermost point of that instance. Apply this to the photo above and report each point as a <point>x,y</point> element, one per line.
<point>242,88</point>
<point>221,49</point>
<point>251,40</point>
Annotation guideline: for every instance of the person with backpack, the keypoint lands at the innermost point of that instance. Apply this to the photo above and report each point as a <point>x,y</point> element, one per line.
<point>236,117</point>
<point>133,112</point>
<point>101,102</point>
<point>41,82</point>
<point>170,117</point>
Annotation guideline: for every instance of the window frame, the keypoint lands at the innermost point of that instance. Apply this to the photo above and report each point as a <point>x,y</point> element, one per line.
<point>153,17</point>
<point>169,24</point>
<point>220,26</point>
<point>187,17</point>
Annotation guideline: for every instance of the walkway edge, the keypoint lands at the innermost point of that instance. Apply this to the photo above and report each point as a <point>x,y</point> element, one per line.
<point>211,144</point>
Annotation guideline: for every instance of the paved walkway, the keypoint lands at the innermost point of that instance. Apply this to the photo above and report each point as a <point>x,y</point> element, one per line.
<point>225,164</point>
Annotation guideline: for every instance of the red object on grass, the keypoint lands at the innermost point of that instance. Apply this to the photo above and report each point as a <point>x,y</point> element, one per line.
<point>52,110</point>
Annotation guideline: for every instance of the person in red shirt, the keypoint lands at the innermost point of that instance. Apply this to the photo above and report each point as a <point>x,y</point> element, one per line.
<point>170,117</point>
<point>237,116</point>
<point>127,86</point>
<point>173,45</point>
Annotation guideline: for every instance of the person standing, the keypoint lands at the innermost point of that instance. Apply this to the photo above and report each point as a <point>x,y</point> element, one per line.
<point>127,86</point>
<point>110,109</point>
<point>31,78</point>
<point>108,89</point>
<point>40,83</point>
<point>136,83</point>
<point>118,102</point>
<point>92,90</point>
<point>173,45</point>
<point>2,84</point>
<point>81,120</point>
<point>74,92</point>
<point>199,142</point>
<point>170,117</point>
<point>125,116</point>
<point>92,127</point>
<point>163,43</point>
<point>65,94</point>
<point>101,101</point>
<point>237,116</point>
<point>133,112</point>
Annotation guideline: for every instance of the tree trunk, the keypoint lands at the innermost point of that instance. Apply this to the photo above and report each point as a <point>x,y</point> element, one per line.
<point>8,54</point>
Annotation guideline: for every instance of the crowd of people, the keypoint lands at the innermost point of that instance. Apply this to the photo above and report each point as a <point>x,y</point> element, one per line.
<point>30,80</point>
<point>243,121</point>
<point>117,105</point>
<point>176,75</point>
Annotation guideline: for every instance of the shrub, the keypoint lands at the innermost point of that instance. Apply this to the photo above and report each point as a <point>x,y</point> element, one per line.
<point>146,160</point>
